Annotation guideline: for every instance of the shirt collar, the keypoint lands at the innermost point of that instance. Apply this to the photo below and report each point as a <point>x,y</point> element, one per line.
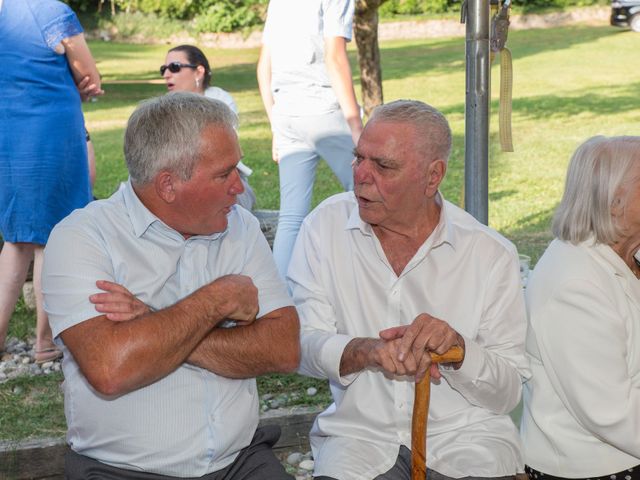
<point>609,255</point>
<point>141,217</point>
<point>442,233</point>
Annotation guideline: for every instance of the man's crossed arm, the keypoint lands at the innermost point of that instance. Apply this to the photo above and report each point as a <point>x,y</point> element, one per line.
<point>130,346</point>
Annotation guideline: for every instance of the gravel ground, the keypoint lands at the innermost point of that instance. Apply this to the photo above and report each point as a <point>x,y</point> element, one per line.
<point>298,464</point>
<point>18,359</point>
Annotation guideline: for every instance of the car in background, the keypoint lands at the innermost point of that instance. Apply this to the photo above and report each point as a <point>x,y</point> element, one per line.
<point>626,13</point>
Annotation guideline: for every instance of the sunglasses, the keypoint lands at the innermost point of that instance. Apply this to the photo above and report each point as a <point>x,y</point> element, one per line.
<point>175,67</point>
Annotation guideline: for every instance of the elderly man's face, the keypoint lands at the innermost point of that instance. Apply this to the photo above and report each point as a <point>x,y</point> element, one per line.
<point>204,201</point>
<point>391,178</point>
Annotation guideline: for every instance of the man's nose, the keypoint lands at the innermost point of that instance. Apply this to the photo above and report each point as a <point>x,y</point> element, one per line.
<point>237,187</point>
<point>361,171</point>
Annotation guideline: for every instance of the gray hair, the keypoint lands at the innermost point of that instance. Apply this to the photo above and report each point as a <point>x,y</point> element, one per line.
<point>165,133</point>
<point>597,170</point>
<point>430,124</point>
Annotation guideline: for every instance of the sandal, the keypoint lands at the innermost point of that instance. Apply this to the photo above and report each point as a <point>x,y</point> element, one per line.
<point>47,355</point>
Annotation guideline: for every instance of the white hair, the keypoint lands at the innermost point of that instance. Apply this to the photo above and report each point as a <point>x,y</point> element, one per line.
<point>430,124</point>
<point>597,170</point>
<point>165,133</point>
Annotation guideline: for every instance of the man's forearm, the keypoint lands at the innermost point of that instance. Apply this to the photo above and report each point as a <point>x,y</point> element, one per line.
<point>264,79</point>
<point>119,357</point>
<point>339,70</point>
<point>268,345</point>
<point>355,356</point>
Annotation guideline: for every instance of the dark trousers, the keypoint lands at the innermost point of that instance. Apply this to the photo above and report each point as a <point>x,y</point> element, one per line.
<point>255,462</point>
<point>402,471</point>
<point>632,473</point>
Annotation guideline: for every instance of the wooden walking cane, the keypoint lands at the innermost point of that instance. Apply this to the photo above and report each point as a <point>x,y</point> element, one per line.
<point>421,413</point>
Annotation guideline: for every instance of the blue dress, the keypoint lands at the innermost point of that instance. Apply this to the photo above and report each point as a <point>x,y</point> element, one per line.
<point>43,154</point>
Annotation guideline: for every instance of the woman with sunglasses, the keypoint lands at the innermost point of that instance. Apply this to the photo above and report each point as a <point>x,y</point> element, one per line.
<point>186,69</point>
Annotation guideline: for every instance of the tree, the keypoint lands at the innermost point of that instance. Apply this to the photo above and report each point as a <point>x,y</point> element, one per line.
<point>366,33</point>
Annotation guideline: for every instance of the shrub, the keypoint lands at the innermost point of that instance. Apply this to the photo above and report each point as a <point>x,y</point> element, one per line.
<point>228,16</point>
<point>391,8</point>
<point>175,9</point>
<point>142,25</point>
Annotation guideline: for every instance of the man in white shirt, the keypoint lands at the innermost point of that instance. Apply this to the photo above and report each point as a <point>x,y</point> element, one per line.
<point>169,393</point>
<point>383,276</point>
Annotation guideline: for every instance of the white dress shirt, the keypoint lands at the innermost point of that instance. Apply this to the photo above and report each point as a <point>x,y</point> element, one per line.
<point>581,413</point>
<point>344,287</point>
<point>192,421</point>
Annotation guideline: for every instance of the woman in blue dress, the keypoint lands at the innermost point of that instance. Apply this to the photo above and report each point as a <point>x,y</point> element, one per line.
<point>43,153</point>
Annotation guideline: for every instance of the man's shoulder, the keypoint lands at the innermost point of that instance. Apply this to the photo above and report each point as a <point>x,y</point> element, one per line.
<point>241,220</point>
<point>466,227</point>
<point>336,209</point>
<point>94,216</point>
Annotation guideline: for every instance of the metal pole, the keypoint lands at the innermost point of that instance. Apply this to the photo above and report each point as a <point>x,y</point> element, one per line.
<point>476,141</point>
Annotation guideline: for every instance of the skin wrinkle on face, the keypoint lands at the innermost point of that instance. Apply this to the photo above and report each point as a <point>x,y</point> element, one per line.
<point>626,213</point>
<point>391,177</point>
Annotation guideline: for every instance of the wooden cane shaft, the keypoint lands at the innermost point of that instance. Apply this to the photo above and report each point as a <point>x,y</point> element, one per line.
<point>421,413</point>
<point>419,428</point>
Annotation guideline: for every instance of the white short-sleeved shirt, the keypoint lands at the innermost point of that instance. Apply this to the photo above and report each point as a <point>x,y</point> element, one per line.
<point>294,32</point>
<point>191,422</point>
<point>465,274</point>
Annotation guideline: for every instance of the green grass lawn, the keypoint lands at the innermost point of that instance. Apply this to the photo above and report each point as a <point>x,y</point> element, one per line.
<point>569,84</point>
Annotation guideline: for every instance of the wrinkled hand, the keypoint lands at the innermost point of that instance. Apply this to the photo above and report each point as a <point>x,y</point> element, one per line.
<point>88,90</point>
<point>118,303</point>
<point>235,297</point>
<point>425,334</point>
<point>385,354</point>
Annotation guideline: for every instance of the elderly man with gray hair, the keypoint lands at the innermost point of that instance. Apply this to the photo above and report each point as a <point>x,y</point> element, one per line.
<point>165,388</point>
<point>389,273</point>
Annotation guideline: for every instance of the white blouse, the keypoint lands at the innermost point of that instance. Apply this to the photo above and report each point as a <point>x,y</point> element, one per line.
<point>582,405</point>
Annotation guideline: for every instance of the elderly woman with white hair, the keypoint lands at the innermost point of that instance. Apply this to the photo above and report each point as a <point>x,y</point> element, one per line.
<point>581,414</point>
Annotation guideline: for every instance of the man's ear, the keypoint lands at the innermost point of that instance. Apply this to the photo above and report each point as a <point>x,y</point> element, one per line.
<point>165,183</point>
<point>435,175</point>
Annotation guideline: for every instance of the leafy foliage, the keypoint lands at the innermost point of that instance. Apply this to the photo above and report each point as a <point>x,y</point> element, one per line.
<point>392,8</point>
<point>234,15</point>
<point>228,16</point>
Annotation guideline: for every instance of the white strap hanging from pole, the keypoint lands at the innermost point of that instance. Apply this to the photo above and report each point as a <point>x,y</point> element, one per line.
<point>499,31</point>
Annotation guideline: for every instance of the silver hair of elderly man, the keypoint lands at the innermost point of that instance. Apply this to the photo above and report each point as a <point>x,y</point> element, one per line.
<point>431,125</point>
<point>597,169</point>
<point>165,133</point>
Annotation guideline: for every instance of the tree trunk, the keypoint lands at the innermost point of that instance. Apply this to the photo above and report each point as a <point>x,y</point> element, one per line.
<point>366,33</point>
